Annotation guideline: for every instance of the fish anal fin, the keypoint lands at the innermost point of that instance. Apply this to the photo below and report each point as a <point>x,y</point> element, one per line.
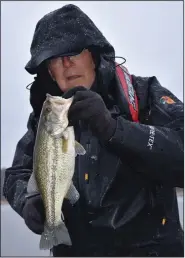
<point>72,194</point>
<point>32,187</point>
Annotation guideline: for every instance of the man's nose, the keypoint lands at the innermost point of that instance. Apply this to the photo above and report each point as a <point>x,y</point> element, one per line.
<point>66,61</point>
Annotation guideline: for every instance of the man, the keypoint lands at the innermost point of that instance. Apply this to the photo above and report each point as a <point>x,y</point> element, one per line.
<point>127,179</point>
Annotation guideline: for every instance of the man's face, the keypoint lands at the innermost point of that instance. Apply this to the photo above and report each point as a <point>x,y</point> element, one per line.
<point>73,71</point>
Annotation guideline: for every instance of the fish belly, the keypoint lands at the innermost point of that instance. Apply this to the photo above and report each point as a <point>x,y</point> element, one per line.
<point>54,170</point>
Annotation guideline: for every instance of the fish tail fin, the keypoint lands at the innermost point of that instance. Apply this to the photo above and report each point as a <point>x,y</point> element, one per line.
<point>54,236</point>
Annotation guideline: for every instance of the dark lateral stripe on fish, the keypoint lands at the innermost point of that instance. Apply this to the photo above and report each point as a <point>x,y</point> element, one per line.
<point>54,178</point>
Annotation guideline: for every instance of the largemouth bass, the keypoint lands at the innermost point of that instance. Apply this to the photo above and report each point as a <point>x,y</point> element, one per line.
<point>53,168</point>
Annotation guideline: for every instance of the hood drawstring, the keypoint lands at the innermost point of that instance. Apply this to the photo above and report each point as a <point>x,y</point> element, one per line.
<point>114,57</point>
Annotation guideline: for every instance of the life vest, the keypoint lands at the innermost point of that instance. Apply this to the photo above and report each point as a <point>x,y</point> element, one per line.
<point>127,91</point>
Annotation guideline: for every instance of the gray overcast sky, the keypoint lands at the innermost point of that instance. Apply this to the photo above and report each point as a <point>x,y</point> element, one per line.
<point>148,34</point>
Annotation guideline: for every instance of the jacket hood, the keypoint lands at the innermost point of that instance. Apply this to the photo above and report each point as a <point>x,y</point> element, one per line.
<point>68,30</point>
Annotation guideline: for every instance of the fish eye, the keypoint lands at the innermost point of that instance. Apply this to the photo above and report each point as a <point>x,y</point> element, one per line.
<point>48,109</point>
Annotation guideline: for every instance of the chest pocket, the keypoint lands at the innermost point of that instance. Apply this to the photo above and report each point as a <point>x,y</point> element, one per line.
<point>157,116</point>
<point>97,169</point>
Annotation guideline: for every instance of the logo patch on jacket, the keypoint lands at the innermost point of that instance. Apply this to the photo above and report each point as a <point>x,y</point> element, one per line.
<point>151,137</point>
<point>167,100</point>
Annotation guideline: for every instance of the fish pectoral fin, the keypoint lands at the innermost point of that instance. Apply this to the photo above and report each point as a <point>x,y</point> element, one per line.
<point>32,185</point>
<point>72,194</point>
<point>79,149</point>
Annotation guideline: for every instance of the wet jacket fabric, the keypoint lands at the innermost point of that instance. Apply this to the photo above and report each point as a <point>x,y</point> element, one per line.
<point>131,188</point>
<point>128,207</point>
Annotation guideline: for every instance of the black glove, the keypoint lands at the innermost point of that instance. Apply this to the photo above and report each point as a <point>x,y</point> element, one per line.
<point>89,107</point>
<point>34,215</point>
<point>68,94</point>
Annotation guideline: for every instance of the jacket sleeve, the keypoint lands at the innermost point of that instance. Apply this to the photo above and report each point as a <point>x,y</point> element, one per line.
<point>155,148</point>
<point>17,176</point>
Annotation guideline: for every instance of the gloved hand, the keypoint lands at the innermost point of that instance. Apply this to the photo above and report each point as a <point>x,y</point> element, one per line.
<point>34,215</point>
<point>89,107</point>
